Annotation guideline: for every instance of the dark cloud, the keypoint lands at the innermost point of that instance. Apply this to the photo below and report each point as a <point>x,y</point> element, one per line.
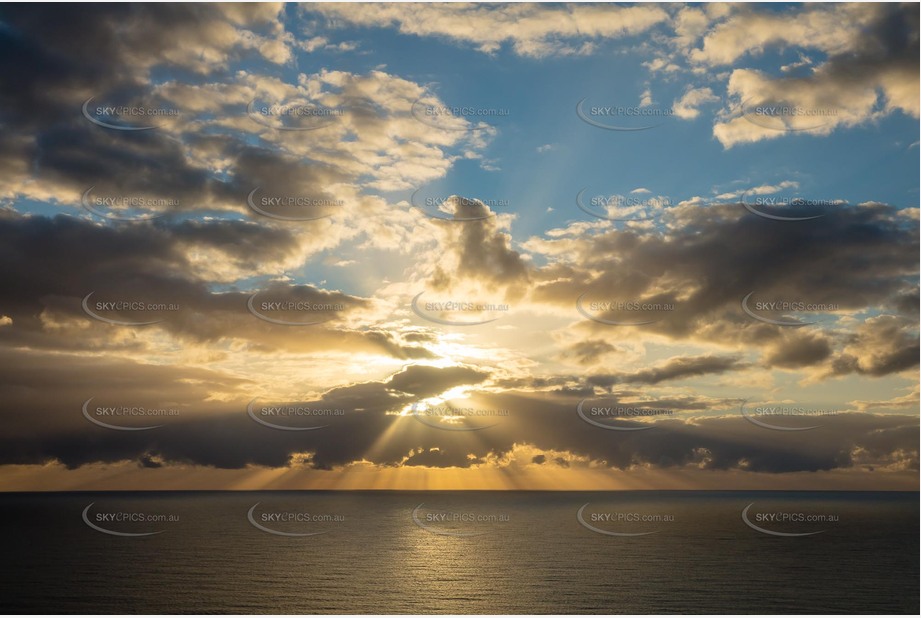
<point>685,266</point>
<point>66,56</point>
<point>588,352</point>
<point>480,252</point>
<point>673,369</point>
<point>868,68</point>
<point>424,381</point>
<point>883,55</point>
<point>371,430</point>
<point>53,264</point>
<point>149,461</point>
<point>799,350</point>
<point>42,425</point>
<point>880,346</point>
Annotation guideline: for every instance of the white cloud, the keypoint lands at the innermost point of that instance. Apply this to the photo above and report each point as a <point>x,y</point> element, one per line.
<point>832,29</point>
<point>871,68</point>
<point>646,98</point>
<point>531,29</point>
<point>759,190</point>
<point>687,106</point>
<point>822,103</point>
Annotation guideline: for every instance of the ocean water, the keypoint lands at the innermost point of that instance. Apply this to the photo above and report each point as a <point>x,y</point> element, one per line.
<point>460,552</point>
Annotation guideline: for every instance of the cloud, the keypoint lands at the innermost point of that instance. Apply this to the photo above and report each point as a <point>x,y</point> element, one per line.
<point>682,267</point>
<point>369,430</point>
<point>150,263</point>
<point>479,252</point>
<point>213,154</point>
<point>909,401</point>
<point>833,29</point>
<point>687,106</point>
<point>673,369</point>
<point>209,250</point>
<point>798,349</point>
<point>881,345</point>
<point>589,352</point>
<point>531,30</point>
<point>871,69</point>
<point>759,190</point>
<point>646,98</point>
<point>204,432</point>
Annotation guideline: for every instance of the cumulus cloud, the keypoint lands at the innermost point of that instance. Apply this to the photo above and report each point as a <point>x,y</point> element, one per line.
<point>871,69</point>
<point>531,30</point>
<point>695,294</point>
<point>687,107</point>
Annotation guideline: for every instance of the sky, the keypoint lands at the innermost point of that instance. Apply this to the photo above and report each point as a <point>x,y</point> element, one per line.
<point>459,246</point>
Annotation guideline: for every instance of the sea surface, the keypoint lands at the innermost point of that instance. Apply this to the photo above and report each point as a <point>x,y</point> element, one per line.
<point>460,552</point>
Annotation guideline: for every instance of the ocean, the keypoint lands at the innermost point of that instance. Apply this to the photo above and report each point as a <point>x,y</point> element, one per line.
<point>461,552</point>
